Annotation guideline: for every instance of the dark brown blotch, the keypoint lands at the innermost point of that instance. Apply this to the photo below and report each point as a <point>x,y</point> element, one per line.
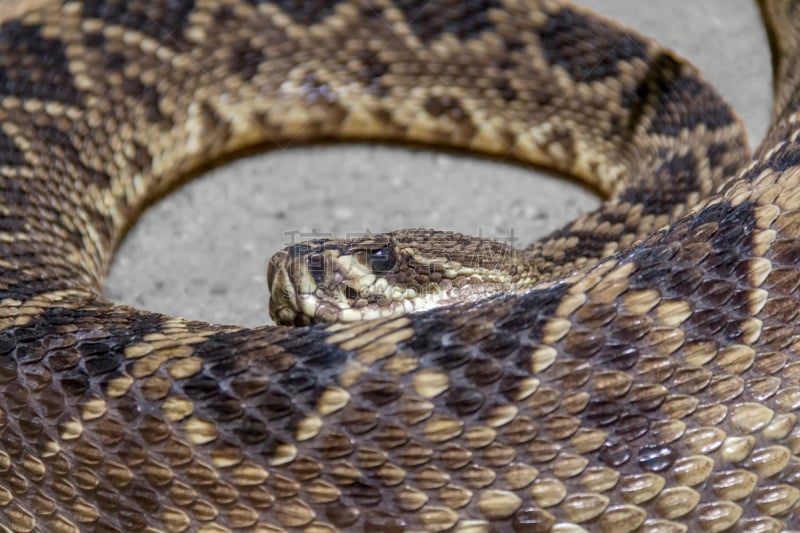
<point>599,413</point>
<point>464,20</point>
<point>342,516</point>
<point>359,420</point>
<point>245,60</point>
<point>333,445</point>
<point>465,400</point>
<point>162,21</point>
<point>45,74</point>
<point>584,343</point>
<point>563,40</point>
<point>483,371</point>
<point>670,185</point>
<point>382,522</point>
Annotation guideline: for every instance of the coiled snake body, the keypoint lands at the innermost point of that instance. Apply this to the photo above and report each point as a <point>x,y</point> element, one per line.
<point>653,387</point>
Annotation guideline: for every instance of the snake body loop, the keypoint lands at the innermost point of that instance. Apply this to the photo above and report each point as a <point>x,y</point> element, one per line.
<point>650,382</point>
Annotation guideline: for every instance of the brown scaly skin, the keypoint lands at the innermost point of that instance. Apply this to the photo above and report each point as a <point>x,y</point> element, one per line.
<point>656,390</point>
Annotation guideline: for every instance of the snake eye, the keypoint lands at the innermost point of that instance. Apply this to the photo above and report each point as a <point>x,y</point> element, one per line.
<point>381,259</point>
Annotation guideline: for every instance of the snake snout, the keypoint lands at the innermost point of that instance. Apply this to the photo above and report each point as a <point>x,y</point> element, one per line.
<point>283,304</point>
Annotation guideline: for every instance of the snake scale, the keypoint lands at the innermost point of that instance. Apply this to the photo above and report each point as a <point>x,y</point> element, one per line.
<point>651,382</point>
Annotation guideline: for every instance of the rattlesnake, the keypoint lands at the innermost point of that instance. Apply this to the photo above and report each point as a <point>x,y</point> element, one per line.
<point>654,387</point>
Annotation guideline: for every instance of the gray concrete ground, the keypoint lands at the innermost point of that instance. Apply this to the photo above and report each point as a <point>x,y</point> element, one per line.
<point>201,252</point>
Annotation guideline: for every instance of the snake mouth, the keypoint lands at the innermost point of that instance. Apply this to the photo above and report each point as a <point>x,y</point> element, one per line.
<point>312,287</point>
<point>292,305</point>
<point>306,289</point>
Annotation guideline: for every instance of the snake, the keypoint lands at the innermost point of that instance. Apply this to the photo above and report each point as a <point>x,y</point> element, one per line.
<point>647,380</point>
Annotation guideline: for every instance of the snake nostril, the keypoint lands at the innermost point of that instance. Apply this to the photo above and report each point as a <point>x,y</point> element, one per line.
<point>316,266</point>
<point>315,262</point>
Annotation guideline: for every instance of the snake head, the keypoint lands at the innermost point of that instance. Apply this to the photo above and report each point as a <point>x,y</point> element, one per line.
<point>389,274</point>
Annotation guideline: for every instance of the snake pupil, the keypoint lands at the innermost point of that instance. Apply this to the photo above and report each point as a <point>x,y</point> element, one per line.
<point>382,259</point>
